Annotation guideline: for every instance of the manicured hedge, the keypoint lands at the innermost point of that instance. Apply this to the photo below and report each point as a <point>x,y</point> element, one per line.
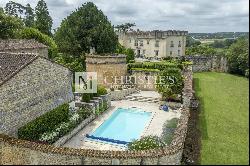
<point>45,123</point>
<point>146,70</point>
<point>155,65</point>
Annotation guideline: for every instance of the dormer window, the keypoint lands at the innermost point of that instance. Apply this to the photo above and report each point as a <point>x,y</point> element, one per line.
<point>172,44</point>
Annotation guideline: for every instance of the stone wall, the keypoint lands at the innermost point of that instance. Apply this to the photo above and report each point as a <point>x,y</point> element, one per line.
<point>121,94</point>
<point>107,66</point>
<point>36,89</point>
<point>14,151</point>
<point>202,63</point>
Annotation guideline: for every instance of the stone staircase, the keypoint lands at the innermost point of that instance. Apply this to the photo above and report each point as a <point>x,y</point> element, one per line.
<point>142,99</point>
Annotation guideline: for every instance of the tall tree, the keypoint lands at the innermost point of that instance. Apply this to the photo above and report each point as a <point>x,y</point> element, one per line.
<point>85,28</point>
<point>43,21</point>
<point>29,16</point>
<point>14,9</point>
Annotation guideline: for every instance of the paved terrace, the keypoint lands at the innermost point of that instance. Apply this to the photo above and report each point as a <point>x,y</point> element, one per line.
<point>159,117</point>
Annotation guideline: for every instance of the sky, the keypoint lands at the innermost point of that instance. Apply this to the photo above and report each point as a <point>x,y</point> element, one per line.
<point>190,15</point>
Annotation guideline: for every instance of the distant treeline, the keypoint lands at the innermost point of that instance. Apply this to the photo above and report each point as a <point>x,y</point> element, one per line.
<point>219,35</point>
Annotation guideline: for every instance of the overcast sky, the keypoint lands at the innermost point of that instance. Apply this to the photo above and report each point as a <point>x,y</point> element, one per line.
<point>190,15</point>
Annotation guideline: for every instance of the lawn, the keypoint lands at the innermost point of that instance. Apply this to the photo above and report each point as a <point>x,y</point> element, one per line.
<point>224,117</point>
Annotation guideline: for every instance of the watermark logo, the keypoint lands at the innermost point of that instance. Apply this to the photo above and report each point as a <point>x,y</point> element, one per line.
<point>86,82</point>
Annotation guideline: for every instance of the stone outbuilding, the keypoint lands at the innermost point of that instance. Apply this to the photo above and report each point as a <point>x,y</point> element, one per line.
<point>24,46</point>
<point>109,68</point>
<point>30,85</point>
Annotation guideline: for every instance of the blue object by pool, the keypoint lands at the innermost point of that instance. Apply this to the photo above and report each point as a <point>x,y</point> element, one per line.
<point>165,107</point>
<point>123,126</point>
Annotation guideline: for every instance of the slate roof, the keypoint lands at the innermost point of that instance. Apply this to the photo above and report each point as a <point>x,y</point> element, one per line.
<point>10,64</point>
<point>15,44</point>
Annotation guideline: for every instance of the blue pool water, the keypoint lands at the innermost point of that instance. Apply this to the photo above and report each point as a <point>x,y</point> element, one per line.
<point>123,125</point>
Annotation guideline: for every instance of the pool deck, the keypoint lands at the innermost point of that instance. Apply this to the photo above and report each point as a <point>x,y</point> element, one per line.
<point>159,117</point>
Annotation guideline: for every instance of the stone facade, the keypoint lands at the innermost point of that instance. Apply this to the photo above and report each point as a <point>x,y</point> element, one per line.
<point>37,88</point>
<point>203,63</point>
<point>107,66</point>
<point>23,46</point>
<point>155,44</point>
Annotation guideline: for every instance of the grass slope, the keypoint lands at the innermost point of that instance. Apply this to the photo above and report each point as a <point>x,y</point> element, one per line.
<point>224,120</point>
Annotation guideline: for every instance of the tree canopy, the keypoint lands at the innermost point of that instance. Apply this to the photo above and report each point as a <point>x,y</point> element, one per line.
<point>238,57</point>
<point>200,50</point>
<point>124,27</point>
<point>85,28</point>
<point>43,21</point>
<point>25,13</point>
<point>9,26</point>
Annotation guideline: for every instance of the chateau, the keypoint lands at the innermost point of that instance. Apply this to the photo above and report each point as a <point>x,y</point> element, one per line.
<point>154,44</point>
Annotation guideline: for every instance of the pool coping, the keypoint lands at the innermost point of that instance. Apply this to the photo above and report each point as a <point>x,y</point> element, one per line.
<point>101,139</point>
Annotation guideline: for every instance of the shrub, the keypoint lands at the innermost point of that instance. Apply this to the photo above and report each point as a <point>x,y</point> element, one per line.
<point>86,97</point>
<point>145,143</point>
<point>168,130</point>
<point>65,127</point>
<point>45,123</point>
<point>101,90</point>
<point>170,83</point>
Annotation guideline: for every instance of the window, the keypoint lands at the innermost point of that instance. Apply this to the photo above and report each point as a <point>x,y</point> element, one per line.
<point>172,44</point>
<point>156,52</point>
<point>157,43</point>
<point>179,52</point>
<point>141,42</point>
<point>136,42</point>
<point>144,52</point>
<point>130,40</point>
<point>171,52</point>
<point>179,45</point>
<point>147,41</point>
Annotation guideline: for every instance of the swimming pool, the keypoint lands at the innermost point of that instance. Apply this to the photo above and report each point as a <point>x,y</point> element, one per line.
<point>123,126</point>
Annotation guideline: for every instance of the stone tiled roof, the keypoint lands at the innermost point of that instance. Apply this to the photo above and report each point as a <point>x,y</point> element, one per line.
<point>10,64</point>
<point>15,44</point>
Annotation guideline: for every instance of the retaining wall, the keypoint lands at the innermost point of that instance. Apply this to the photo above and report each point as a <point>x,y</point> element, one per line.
<point>203,63</point>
